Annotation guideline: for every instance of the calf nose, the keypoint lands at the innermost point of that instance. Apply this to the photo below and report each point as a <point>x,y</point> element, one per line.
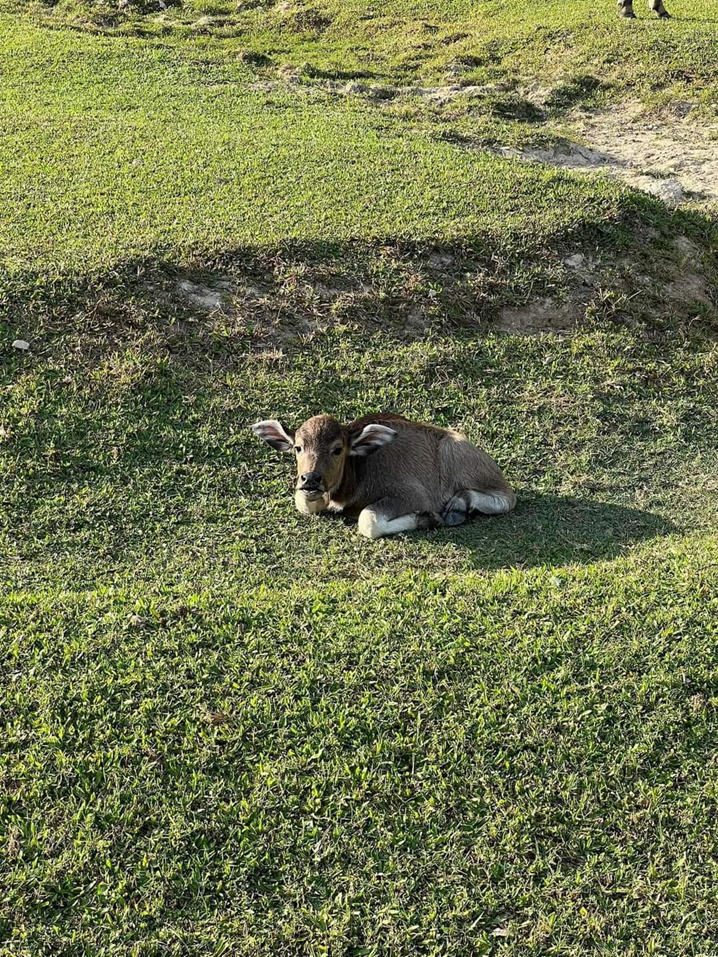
<point>310,479</point>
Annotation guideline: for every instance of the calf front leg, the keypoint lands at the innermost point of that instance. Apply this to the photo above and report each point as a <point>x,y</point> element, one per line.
<point>391,515</point>
<point>469,500</point>
<point>658,8</point>
<point>625,9</point>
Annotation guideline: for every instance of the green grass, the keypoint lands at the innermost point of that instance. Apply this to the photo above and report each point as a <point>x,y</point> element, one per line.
<point>406,40</point>
<point>144,465</point>
<point>228,729</point>
<point>135,148</point>
<point>399,765</point>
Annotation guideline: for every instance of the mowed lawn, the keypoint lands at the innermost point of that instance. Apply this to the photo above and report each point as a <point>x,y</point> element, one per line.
<point>231,730</point>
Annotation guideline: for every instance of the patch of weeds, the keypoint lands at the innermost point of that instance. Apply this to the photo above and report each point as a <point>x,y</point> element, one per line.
<point>609,307</point>
<point>254,58</point>
<point>295,15</point>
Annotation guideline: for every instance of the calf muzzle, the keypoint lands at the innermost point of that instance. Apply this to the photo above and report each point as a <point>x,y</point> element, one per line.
<point>311,482</point>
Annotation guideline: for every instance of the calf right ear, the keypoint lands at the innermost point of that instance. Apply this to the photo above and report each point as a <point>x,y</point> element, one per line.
<point>274,434</point>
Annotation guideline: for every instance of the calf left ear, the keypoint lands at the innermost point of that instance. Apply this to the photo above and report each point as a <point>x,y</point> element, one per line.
<point>371,438</point>
<point>274,434</point>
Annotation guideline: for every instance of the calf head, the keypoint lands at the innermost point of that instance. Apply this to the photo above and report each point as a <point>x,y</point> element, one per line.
<point>321,448</point>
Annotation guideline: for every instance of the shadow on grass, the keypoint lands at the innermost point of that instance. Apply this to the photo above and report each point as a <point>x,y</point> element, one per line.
<point>513,108</point>
<point>208,306</point>
<point>571,94</point>
<point>555,530</point>
<point>348,75</point>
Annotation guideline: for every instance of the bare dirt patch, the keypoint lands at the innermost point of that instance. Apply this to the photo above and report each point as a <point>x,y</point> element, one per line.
<point>673,158</point>
<point>543,315</point>
<point>438,95</point>
<point>624,291</point>
<point>205,296</point>
<point>441,95</point>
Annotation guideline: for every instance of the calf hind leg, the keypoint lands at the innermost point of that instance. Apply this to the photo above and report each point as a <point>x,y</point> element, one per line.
<point>469,500</point>
<point>391,515</point>
<point>458,508</point>
<point>625,9</point>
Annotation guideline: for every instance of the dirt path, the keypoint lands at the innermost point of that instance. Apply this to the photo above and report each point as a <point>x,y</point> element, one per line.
<point>672,156</point>
<point>674,159</point>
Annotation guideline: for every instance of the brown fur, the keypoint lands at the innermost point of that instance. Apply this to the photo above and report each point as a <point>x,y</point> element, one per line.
<point>419,476</point>
<point>423,460</point>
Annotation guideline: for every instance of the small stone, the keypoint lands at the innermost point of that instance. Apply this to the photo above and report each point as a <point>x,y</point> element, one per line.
<point>21,344</point>
<point>575,261</point>
<point>682,107</point>
<point>354,86</point>
<point>669,190</point>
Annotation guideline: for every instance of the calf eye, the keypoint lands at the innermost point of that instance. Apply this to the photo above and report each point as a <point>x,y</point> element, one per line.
<point>297,449</point>
<point>337,451</point>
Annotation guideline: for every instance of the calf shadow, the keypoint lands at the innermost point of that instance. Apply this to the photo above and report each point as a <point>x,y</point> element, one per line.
<point>554,530</point>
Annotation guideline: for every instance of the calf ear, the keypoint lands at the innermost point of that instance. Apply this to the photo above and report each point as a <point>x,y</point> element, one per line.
<point>371,438</point>
<point>274,434</point>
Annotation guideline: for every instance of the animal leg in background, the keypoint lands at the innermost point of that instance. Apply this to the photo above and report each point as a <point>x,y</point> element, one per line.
<point>625,9</point>
<point>657,7</point>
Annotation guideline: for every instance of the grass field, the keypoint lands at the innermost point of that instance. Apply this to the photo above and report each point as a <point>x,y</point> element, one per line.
<point>231,730</point>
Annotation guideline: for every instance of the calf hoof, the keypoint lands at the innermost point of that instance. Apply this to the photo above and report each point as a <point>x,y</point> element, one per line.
<point>426,520</point>
<point>627,14</point>
<point>453,517</point>
<point>664,15</point>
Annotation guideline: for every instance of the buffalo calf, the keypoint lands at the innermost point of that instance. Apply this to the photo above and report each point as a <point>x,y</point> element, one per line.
<point>392,474</point>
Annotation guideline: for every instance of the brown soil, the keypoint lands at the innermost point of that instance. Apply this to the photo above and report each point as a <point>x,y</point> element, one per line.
<point>673,158</point>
